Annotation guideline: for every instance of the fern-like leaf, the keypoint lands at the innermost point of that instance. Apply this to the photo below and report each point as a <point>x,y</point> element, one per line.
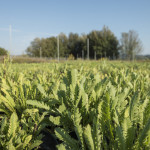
<point>121,141</point>
<point>38,104</point>
<point>41,89</point>
<point>7,103</point>
<point>64,136</point>
<point>11,146</point>
<point>78,128</point>
<point>61,147</point>
<point>13,124</point>
<point>134,107</point>
<point>55,120</point>
<point>36,144</point>
<point>72,76</point>
<point>88,137</point>
<point>144,132</point>
<point>3,124</point>
<point>27,140</point>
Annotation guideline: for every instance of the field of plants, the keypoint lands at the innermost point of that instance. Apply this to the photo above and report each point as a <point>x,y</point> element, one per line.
<point>82,105</point>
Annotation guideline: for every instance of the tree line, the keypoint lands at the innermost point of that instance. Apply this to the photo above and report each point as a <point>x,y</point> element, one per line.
<point>100,43</point>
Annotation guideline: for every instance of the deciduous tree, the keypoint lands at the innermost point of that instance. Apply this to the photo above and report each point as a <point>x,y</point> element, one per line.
<point>131,44</point>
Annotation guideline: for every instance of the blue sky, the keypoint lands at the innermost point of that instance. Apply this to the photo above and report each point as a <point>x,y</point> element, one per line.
<point>43,18</point>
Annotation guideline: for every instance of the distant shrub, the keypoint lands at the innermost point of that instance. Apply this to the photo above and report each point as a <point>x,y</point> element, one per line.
<point>103,58</point>
<point>71,57</point>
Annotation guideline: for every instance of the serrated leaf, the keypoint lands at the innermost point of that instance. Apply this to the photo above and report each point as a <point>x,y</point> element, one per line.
<point>64,136</point>
<point>61,147</point>
<point>38,104</point>
<point>11,147</point>
<point>88,137</point>
<point>12,124</point>
<point>35,144</point>
<point>55,120</point>
<point>27,140</point>
<point>41,89</point>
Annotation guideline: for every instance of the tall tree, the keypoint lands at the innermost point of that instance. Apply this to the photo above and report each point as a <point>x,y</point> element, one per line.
<point>49,47</point>
<point>34,48</point>
<point>63,45</point>
<point>104,43</point>
<point>73,44</point>
<point>82,46</point>
<point>131,44</point>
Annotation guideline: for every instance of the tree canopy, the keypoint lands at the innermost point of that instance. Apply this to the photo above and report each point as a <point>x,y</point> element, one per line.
<point>3,51</point>
<point>103,43</point>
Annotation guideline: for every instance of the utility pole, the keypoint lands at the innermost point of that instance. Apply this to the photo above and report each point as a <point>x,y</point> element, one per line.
<point>10,37</point>
<point>58,47</point>
<point>87,49</point>
<point>95,55</point>
<point>83,54</point>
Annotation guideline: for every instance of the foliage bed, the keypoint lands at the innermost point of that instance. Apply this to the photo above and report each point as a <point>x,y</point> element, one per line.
<point>82,106</point>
